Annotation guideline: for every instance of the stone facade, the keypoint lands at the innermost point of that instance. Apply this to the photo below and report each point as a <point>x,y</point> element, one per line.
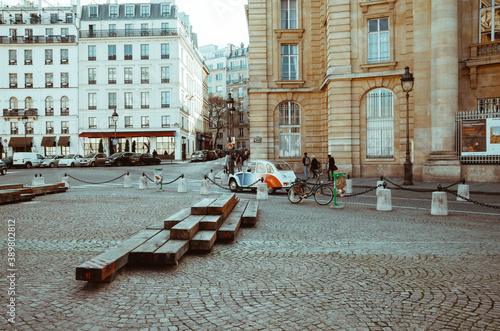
<point>347,52</point>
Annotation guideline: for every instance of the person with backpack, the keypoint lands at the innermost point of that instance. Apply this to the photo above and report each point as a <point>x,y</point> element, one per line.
<point>306,161</point>
<point>315,167</point>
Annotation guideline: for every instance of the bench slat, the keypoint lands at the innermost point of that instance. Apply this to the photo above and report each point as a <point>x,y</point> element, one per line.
<point>230,227</point>
<point>211,222</point>
<point>200,208</point>
<point>219,206</point>
<point>186,229</point>
<point>177,218</point>
<point>203,240</point>
<point>170,252</point>
<point>144,253</point>
<point>249,217</point>
<point>10,186</point>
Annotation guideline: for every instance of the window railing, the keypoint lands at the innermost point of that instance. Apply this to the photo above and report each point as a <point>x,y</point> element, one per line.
<point>144,57</point>
<point>92,82</point>
<point>50,130</point>
<point>37,40</point>
<point>111,81</point>
<point>49,85</point>
<point>14,131</point>
<point>28,85</point>
<point>28,62</point>
<point>165,105</point>
<point>65,112</point>
<point>65,130</point>
<point>20,112</point>
<point>91,108</point>
<point>145,125</point>
<point>112,107</point>
<point>48,61</point>
<point>165,56</point>
<point>144,81</point>
<point>29,131</point>
<point>127,81</point>
<point>92,126</point>
<point>92,58</point>
<point>49,111</point>
<point>129,107</point>
<point>13,85</point>
<point>12,62</point>
<point>64,61</point>
<point>64,84</point>
<point>130,33</point>
<point>144,106</point>
<point>128,57</point>
<point>112,57</point>
<point>165,80</point>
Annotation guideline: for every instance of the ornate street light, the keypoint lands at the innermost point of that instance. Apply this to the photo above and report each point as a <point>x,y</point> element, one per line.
<point>25,122</point>
<point>407,85</point>
<point>231,109</point>
<point>114,116</point>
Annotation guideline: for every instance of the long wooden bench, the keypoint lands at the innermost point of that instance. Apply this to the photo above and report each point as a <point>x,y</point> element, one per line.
<point>249,217</point>
<point>211,222</point>
<point>143,254</point>
<point>186,229</point>
<point>230,227</point>
<point>201,207</point>
<point>170,252</point>
<point>103,267</point>
<point>176,218</point>
<point>14,195</point>
<point>10,186</point>
<point>203,240</point>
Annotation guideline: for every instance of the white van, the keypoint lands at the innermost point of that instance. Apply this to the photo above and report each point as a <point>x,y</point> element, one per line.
<point>26,159</point>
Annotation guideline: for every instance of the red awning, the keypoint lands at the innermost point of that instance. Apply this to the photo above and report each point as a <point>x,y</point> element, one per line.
<point>128,134</point>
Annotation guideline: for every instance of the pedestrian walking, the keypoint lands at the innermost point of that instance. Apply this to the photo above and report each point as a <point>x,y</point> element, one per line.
<point>239,163</point>
<point>230,165</point>
<point>331,167</point>
<point>155,153</point>
<point>306,161</point>
<point>315,166</point>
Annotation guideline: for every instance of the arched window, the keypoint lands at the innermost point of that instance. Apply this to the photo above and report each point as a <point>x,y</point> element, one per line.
<point>289,128</point>
<point>379,124</point>
<point>13,104</point>
<point>28,103</point>
<point>64,105</point>
<point>49,106</point>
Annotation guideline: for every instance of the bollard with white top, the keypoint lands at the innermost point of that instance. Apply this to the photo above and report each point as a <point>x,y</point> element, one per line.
<point>463,191</point>
<point>439,203</point>
<point>65,180</point>
<point>211,175</point>
<point>143,183</point>
<point>205,187</point>
<point>348,185</point>
<point>127,181</point>
<point>384,201</point>
<point>182,186</point>
<point>262,193</point>
<point>224,178</point>
<point>37,180</point>
<point>379,184</point>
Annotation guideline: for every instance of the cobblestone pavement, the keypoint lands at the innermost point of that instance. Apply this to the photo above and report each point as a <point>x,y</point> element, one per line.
<point>303,267</point>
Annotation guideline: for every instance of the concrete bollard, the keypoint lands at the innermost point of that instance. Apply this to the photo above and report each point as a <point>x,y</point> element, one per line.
<point>348,186</point>
<point>182,186</point>
<point>439,203</point>
<point>37,181</point>
<point>205,187</point>
<point>65,180</point>
<point>127,181</point>
<point>211,176</point>
<point>379,182</point>
<point>143,183</point>
<point>262,193</point>
<point>463,190</point>
<point>384,201</point>
<point>224,179</point>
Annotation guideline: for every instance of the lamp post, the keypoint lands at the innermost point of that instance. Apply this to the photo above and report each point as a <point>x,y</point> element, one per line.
<point>25,122</point>
<point>231,109</point>
<point>114,116</point>
<point>407,85</point>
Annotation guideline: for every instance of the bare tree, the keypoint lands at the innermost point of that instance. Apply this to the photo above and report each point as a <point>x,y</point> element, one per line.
<point>218,114</point>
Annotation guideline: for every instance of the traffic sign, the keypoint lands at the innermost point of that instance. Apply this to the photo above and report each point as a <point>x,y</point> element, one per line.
<point>230,146</point>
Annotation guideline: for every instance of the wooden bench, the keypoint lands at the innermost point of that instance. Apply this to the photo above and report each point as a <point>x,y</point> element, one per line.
<point>211,222</point>
<point>230,227</point>
<point>249,217</point>
<point>103,267</point>
<point>186,229</point>
<point>170,252</point>
<point>222,205</point>
<point>203,240</point>
<point>14,195</point>
<point>201,207</point>
<point>144,253</point>
<point>176,218</point>
<point>10,186</point>
<point>48,189</point>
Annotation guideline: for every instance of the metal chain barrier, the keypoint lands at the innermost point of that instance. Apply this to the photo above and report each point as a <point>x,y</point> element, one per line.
<point>223,187</point>
<point>226,188</point>
<point>406,188</point>
<point>162,183</point>
<point>364,192</point>
<point>95,183</point>
<point>445,189</point>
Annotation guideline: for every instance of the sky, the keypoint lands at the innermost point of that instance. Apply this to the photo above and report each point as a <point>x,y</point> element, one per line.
<point>216,22</point>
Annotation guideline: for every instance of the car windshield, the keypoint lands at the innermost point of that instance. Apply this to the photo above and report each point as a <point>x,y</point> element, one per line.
<point>91,155</point>
<point>69,156</point>
<point>197,153</point>
<point>49,157</point>
<point>115,155</point>
<point>137,155</point>
<point>281,166</point>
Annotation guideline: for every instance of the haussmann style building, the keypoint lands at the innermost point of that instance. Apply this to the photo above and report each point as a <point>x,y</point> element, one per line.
<point>325,78</point>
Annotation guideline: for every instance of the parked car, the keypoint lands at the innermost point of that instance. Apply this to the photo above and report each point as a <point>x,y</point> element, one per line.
<point>8,161</point>
<point>212,155</point>
<point>51,161</point>
<point>119,159</point>
<point>70,160</point>
<point>220,153</point>
<point>26,159</point>
<point>93,159</point>
<point>277,175</point>
<point>3,168</point>
<point>198,156</point>
<point>144,158</point>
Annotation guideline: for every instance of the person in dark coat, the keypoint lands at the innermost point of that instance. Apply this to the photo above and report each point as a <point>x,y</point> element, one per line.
<point>331,167</point>
<point>315,166</point>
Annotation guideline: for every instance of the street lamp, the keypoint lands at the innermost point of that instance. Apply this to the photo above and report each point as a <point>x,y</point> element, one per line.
<point>25,122</point>
<point>407,85</point>
<point>231,109</point>
<point>114,116</point>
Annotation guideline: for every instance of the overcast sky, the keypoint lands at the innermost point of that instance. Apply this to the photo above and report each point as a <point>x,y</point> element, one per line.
<point>216,22</point>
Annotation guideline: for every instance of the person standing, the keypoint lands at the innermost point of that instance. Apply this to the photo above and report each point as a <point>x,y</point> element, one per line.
<point>331,167</point>
<point>239,162</point>
<point>155,153</point>
<point>306,161</point>
<point>315,166</point>
<point>230,166</point>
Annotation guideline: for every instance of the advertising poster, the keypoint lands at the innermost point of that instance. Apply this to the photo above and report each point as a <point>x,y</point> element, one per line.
<point>493,127</point>
<point>474,137</point>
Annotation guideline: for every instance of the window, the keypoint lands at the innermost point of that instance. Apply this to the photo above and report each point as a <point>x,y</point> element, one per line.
<point>29,128</point>
<point>13,103</point>
<point>144,75</point>
<point>129,101</point>
<point>92,100</point>
<point>111,52</point>
<point>289,128</point>
<point>111,75</point>
<point>378,40</point>
<point>64,56</point>
<point>92,76</point>
<point>218,89</point>
<point>64,79</point>
<point>489,21</point>
<point>69,17</point>
<point>49,106</point>
<point>64,105</point>
<point>128,30</point>
<point>113,11</point>
<point>144,29</point>
<point>49,56</point>
<point>64,126</point>
<point>129,122</point>
<point>49,32</point>
<point>165,74</point>
<point>112,100</point>
<point>165,121</point>
<point>129,11</point>
<point>28,80</point>
<point>165,99</point>
<point>64,32</point>
<point>210,90</point>
<point>49,80</point>
<point>165,10</point>
<point>93,12</point>
<point>379,124</point>
<point>165,51</point>
<point>144,100</point>
<point>127,75</point>
<point>54,18</point>
<point>144,121</point>
<point>49,127</point>
<point>289,62</point>
<point>13,128</point>
<point>241,133</point>
<point>112,30</point>
<point>92,53</point>
<point>92,123</point>
<point>218,77</point>
<point>220,65</point>
<point>164,29</point>
<point>28,103</point>
<point>128,52</point>
<point>12,56</point>
<point>28,57</point>
<point>13,80</point>
<point>111,123</point>
<point>209,78</point>
<point>144,52</point>
<point>289,14</point>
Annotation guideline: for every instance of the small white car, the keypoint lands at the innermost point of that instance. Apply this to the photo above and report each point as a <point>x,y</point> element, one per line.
<point>70,160</point>
<point>51,161</point>
<point>277,175</point>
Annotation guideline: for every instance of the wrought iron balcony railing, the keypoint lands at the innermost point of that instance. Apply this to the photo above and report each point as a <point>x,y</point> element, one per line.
<point>20,112</point>
<point>129,33</point>
<point>38,40</point>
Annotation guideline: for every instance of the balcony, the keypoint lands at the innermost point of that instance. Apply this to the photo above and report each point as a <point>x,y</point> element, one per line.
<point>236,68</point>
<point>49,85</point>
<point>127,81</point>
<point>38,40</point>
<point>144,81</point>
<point>49,111</point>
<point>48,61</point>
<point>482,55</point>
<point>129,33</point>
<point>64,84</point>
<point>237,81</point>
<point>50,130</point>
<point>20,112</point>
<point>13,85</point>
<point>64,111</point>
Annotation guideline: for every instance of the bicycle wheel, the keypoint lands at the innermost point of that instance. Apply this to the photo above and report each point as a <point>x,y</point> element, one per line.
<point>323,195</point>
<point>295,194</point>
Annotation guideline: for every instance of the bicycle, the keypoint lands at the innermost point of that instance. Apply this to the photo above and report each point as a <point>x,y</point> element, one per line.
<point>302,189</point>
